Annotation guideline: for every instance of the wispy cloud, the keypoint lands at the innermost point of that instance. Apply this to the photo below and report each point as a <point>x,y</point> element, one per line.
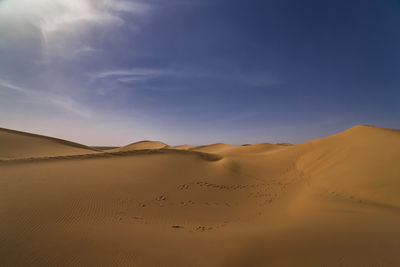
<point>131,75</point>
<point>61,102</point>
<point>8,85</point>
<point>86,49</point>
<point>70,105</point>
<point>133,7</point>
<point>260,79</point>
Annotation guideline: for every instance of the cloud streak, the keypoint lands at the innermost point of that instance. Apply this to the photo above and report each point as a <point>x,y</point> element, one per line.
<point>261,79</point>
<point>60,102</point>
<point>8,85</point>
<point>136,72</point>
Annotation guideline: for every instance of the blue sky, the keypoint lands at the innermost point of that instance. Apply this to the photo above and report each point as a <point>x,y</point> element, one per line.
<point>111,72</point>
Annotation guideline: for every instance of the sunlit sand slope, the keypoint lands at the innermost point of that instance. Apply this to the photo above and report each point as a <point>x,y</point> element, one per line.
<point>334,201</point>
<point>15,144</point>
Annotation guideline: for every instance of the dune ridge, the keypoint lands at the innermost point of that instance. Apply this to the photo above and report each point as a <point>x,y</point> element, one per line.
<point>17,144</point>
<point>57,140</point>
<point>137,152</point>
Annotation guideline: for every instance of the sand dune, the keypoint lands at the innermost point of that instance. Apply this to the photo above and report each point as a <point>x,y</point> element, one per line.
<point>184,147</point>
<point>141,145</point>
<point>15,144</point>
<point>333,201</point>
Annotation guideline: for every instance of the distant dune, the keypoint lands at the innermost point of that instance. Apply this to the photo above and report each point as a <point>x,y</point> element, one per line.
<point>183,147</point>
<point>214,148</point>
<point>333,201</point>
<point>142,145</point>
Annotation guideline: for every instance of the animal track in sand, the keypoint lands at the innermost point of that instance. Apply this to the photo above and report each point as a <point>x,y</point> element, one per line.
<point>186,203</point>
<point>220,186</point>
<point>161,198</point>
<point>265,193</point>
<point>183,187</point>
<point>230,187</point>
<point>203,228</point>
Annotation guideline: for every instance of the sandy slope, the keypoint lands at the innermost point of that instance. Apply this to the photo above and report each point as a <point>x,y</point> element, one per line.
<point>15,144</point>
<point>329,202</point>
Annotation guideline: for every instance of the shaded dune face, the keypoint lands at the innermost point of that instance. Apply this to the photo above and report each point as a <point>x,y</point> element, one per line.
<point>333,201</point>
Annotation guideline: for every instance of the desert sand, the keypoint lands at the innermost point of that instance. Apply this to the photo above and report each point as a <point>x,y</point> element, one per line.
<point>333,201</point>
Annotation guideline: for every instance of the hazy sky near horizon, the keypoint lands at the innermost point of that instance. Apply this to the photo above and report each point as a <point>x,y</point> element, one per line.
<point>111,72</point>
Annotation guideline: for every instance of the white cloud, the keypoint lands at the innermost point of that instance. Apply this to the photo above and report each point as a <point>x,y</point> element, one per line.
<point>63,23</point>
<point>42,38</point>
